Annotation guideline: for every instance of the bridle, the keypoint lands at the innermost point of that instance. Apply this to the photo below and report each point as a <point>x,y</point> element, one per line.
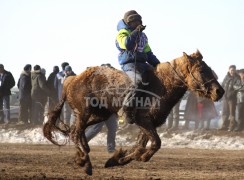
<point>177,74</point>
<point>199,84</point>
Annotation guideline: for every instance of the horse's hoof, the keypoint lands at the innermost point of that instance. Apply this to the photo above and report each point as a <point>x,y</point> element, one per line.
<point>111,162</point>
<point>145,158</point>
<point>114,160</point>
<point>80,162</point>
<point>79,159</point>
<point>88,169</point>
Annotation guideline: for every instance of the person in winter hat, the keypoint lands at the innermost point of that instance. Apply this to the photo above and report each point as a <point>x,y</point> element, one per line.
<point>53,96</point>
<point>67,111</point>
<point>229,99</point>
<point>24,85</point>
<point>136,59</point>
<point>7,82</point>
<point>39,93</point>
<point>239,88</point>
<point>59,79</point>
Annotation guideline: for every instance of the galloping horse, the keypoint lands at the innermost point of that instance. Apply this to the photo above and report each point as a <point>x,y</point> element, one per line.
<point>95,94</point>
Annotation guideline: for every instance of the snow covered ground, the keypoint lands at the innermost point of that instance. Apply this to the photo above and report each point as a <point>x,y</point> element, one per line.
<point>179,139</point>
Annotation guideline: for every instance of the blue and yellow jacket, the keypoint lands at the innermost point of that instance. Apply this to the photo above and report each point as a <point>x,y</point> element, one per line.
<point>126,42</point>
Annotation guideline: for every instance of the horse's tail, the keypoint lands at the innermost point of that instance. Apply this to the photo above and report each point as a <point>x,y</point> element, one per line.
<point>51,124</point>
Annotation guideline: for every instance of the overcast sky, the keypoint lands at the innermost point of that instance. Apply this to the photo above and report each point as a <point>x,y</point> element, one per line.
<point>49,32</point>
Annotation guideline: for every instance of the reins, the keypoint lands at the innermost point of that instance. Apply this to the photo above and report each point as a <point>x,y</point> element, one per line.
<point>135,54</point>
<point>199,84</point>
<point>177,74</point>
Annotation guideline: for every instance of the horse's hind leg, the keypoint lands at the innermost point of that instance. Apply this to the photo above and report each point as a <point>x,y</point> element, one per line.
<point>78,136</point>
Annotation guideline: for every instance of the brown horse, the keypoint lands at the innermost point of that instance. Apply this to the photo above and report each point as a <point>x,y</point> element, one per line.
<point>98,92</point>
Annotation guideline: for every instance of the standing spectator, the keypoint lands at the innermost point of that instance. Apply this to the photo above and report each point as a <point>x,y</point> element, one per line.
<point>6,83</point>
<point>199,110</point>
<point>67,112</point>
<point>24,85</point>
<point>206,112</point>
<point>53,96</point>
<point>58,83</point>
<point>43,71</point>
<point>239,87</point>
<point>173,118</point>
<point>112,125</point>
<point>191,110</point>
<point>229,99</point>
<point>59,80</point>
<point>39,92</point>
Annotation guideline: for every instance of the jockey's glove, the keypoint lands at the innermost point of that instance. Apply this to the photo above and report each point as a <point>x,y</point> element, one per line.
<point>140,28</point>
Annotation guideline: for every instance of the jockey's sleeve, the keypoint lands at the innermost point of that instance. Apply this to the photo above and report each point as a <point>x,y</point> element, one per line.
<point>152,59</point>
<point>126,40</point>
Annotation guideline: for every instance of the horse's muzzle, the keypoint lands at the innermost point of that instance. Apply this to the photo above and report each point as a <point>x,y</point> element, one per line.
<point>217,93</point>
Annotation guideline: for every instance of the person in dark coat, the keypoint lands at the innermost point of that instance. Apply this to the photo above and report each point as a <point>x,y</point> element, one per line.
<point>229,99</point>
<point>39,93</point>
<point>174,117</point>
<point>199,110</point>
<point>239,87</point>
<point>24,85</point>
<point>191,110</point>
<point>206,111</point>
<point>53,96</point>
<point>7,82</point>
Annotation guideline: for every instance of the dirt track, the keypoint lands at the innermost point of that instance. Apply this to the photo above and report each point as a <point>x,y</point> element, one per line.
<point>18,161</point>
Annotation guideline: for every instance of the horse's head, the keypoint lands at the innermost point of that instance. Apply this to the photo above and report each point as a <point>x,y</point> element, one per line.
<point>200,78</point>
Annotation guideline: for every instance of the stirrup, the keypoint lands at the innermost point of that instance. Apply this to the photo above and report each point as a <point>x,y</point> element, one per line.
<point>124,115</point>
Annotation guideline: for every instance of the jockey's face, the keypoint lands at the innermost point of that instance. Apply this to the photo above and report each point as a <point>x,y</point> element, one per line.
<point>134,24</point>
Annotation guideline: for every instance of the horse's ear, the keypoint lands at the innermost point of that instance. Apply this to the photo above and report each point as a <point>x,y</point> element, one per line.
<point>185,55</point>
<point>199,55</point>
<point>188,57</point>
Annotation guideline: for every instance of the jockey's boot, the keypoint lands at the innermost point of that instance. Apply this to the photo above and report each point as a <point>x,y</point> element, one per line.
<point>127,114</point>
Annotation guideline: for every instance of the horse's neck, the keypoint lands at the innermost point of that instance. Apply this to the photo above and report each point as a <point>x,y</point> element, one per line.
<point>172,81</point>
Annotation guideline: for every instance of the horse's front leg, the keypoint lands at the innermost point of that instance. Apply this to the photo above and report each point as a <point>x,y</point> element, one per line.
<point>151,133</point>
<point>140,152</point>
<point>123,157</point>
<point>137,150</point>
<point>142,139</point>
